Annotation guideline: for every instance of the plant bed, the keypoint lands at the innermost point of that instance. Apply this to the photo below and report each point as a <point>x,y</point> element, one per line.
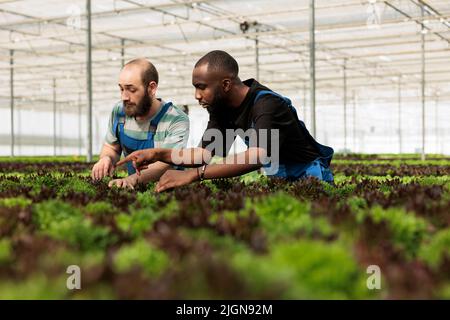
<point>241,238</point>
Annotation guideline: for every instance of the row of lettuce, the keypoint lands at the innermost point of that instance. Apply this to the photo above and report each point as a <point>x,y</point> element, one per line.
<point>279,245</point>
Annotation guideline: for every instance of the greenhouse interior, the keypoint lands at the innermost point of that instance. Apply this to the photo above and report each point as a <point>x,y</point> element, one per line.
<point>358,207</point>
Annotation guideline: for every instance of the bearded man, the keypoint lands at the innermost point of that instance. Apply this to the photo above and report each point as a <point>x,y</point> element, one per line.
<point>140,121</point>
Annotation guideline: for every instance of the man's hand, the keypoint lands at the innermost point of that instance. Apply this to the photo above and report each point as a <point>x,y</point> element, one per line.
<point>140,159</point>
<point>176,178</point>
<point>104,167</point>
<point>128,182</point>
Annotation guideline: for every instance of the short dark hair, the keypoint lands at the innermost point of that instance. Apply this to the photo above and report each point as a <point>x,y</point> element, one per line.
<point>149,72</point>
<point>220,61</point>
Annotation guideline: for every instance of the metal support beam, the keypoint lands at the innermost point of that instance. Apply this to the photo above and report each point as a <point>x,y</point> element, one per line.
<point>312,65</point>
<point>89,80</point>
<point>436,121</point>
<point>122,51</point>
<point>18,128</point>
<point>304,102</point>
<point>11,87</point>
<point>54,116</point>
<point>423,82</point>
<point>80,139</point>
<point>399,96</point>
<point>257,57</point>
<point>354,120</point>
<point>344,70</point>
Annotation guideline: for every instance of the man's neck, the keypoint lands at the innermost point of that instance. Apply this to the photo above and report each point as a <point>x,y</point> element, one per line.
<point>156,105</point>
<point>238,95</point>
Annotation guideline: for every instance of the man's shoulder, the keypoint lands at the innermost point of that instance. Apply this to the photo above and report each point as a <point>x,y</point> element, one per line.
<point>266,100</point>
<point>175,114</point>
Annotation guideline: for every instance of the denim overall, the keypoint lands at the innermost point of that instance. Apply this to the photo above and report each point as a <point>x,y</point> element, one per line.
<point>319,167</point>
<point>129,144</point>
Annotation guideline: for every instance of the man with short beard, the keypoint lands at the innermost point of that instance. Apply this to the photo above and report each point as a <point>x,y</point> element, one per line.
<point>140,121</point>
<point>241,106</point>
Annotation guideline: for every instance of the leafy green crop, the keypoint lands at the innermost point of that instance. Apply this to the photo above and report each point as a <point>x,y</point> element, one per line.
<point>436,249</point>
<point>304,270</point>
<point>141,254</point>
<point>6,184</point>
<point>19,202</point>
<point>282,216</point>
<point>100,208</point>
<point>137,222</point>
<point>75,185</point>
<point>5,251</point>
<point>61,221</point>
<point>38,286</point>
<point>407,230</point>
<point>140,220</point>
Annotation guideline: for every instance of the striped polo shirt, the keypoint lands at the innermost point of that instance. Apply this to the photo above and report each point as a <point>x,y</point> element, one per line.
<point>172,130</point>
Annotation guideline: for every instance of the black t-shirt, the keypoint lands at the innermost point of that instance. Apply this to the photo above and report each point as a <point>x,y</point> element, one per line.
<point>269,112</point>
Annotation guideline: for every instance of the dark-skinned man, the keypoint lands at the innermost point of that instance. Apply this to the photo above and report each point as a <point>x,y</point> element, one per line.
<point>236,105</point>
<point>140,121</point>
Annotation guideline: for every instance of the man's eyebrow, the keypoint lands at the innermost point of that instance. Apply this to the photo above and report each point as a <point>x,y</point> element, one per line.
<point>127,85</point>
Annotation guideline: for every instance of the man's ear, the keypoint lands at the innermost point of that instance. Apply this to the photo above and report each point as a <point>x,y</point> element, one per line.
<point>151,88</point>
<point>226,84</point>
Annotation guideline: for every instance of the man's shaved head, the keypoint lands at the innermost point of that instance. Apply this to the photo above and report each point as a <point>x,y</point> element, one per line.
<point>138,82</point>
<point>220,62</point>
<point>148,70</point>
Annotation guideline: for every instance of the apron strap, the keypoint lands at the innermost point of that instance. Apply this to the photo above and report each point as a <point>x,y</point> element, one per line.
<point>154,122</point>
<point>326,153</point>
<point>129,144</point>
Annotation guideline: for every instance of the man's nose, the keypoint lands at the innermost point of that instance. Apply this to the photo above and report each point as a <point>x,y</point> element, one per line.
<point>125,96</point>
<point>198,95</point>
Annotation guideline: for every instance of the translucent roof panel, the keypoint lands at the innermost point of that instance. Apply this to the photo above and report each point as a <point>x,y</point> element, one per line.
<point>375,44</point>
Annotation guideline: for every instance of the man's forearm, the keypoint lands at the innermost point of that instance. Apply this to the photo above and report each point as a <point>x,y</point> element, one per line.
<point>232,166</point>
<point>189,157</point>
<point>109,151</point>
<point>152,173</point>
<point>235,165</point>
<point>217,171</point>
